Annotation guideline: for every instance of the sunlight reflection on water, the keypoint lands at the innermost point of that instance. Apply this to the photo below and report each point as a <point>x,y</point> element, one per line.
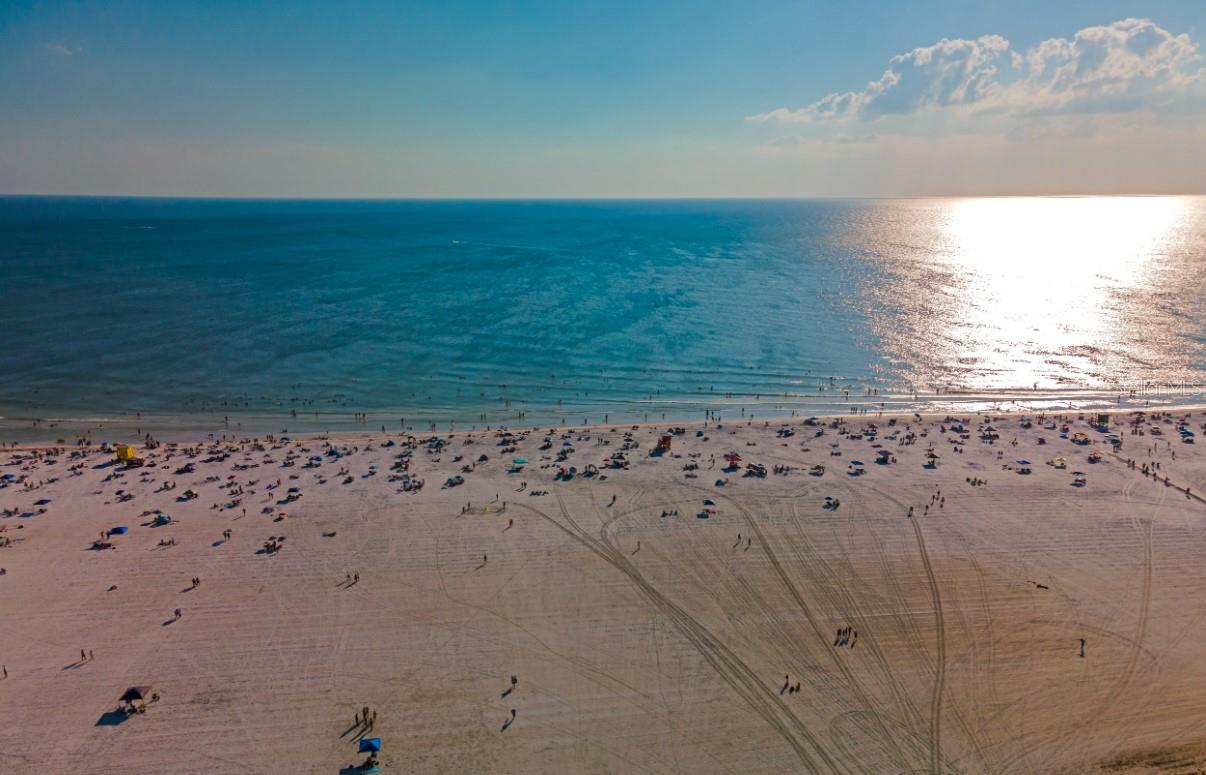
<point>1018,292</point>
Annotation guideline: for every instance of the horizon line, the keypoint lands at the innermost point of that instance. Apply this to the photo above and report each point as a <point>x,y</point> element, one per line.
<point>587,198</point>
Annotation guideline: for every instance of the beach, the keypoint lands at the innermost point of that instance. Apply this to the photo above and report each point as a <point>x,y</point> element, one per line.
<point>934,614</point>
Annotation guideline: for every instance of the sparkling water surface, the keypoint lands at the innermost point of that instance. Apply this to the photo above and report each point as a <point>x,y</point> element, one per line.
<point>534,312</point>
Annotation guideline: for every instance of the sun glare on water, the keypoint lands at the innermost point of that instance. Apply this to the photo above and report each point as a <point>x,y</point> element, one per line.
<point>1038,291</point>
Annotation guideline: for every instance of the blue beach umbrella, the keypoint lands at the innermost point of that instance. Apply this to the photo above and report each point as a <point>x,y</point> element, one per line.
<point>370,745</point>
<point>709,502</point>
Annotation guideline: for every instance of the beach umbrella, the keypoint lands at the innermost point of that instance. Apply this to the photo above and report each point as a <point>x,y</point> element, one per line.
<point>828,497</point>
<point>1023,462</point>
<point>42,502</point>
<point>856,462</point>
<point>119,530</point>
<point>520,461</point>
<point>709,502</point>
<point>370,745</point>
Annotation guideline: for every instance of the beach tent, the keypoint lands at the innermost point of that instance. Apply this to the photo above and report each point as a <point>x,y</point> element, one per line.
<point>370,745</point>
<point>136,694</point>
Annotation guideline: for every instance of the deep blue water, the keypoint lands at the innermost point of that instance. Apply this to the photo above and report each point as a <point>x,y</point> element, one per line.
<point>443,310</point>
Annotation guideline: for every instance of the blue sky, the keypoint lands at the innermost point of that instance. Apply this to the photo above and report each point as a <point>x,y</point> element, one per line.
<point>599,98</point>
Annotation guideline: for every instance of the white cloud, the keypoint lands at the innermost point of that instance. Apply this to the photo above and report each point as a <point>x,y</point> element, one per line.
<point>61,49</point>
<point>1130,65</point>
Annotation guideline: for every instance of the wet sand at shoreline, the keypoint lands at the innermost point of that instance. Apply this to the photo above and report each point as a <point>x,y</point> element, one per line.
<point>639,642</point>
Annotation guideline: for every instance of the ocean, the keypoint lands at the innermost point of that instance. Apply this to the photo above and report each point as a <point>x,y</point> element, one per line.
<point>473,313</point>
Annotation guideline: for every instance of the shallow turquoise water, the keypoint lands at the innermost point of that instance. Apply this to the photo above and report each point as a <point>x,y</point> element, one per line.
<point>478,311</point>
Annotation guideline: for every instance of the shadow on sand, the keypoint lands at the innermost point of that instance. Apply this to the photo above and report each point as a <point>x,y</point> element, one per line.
<point>112,718</point>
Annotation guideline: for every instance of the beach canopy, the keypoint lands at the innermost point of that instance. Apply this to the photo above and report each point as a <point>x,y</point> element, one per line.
<point>370,745</point>
<point>136,693</point>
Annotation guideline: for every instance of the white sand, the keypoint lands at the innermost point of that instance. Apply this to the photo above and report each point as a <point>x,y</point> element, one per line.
<point>666,659</point>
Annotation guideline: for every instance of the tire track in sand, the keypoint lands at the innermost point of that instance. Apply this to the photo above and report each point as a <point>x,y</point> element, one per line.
<point>734,671</point>
<point>843,668</point>
<point>940,673</point>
